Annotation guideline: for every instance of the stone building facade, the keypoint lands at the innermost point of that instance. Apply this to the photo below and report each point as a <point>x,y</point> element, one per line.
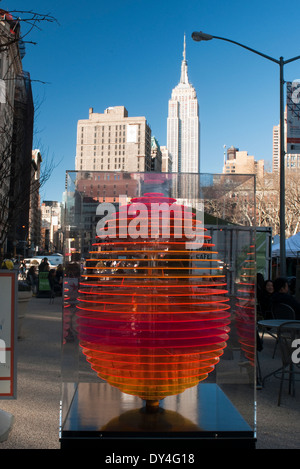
<point>113,141</point>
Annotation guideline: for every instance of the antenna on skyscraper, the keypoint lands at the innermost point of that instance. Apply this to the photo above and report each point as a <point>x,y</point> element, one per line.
<point>184,76</point>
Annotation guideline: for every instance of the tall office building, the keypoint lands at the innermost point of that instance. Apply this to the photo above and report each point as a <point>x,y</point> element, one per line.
<point>276,148</point>
<point>239,162</point>
<point>112,141</point>
<point>291,131</point>
<point>183,127</point>
<point>166,160</point>
<point>291,160</point>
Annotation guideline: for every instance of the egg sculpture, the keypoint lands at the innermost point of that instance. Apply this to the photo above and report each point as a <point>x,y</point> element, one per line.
<point>153,316</point>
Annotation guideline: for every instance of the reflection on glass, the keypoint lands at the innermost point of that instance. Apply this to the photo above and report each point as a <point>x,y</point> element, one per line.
<point>245,310</point>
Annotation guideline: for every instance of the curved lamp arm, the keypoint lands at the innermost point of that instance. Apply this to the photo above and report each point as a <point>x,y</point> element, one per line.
<point>200,36</point>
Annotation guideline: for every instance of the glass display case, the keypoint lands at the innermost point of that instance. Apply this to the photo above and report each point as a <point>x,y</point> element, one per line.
<point>159,335</point>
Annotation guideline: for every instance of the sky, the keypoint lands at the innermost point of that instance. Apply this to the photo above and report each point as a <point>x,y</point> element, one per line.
<point>129,52</point>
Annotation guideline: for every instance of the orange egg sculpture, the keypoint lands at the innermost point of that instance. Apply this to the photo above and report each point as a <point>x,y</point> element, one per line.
<point>153,316</point>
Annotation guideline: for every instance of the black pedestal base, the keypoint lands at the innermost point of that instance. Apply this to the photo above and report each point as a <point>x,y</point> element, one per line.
<point>200,418</point>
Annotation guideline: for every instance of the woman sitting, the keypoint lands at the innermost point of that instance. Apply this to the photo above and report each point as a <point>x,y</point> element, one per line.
<point>265,302</point>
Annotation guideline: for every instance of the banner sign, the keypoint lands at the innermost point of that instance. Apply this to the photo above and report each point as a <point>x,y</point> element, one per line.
<point>8,333</point>
<point>293,117</point>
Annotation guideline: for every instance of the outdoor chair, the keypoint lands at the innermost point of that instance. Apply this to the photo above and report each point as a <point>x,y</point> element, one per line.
<point>288,332</point>
<point>281,311</point>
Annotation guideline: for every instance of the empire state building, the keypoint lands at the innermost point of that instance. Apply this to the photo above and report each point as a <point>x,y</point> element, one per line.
<point>183,127</point>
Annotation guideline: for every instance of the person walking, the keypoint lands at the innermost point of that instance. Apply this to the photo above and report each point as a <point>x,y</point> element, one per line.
<point>44,265</point>
<point>32,278</point>
<point>52,284</point>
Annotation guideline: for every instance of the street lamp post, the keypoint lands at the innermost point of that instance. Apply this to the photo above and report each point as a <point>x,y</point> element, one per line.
<point>200,36</point>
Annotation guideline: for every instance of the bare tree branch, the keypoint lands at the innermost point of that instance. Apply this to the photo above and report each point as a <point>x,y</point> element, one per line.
<point>17,173</point>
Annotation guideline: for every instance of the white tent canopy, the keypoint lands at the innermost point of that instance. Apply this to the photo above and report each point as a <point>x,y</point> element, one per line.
<point>292,247</point>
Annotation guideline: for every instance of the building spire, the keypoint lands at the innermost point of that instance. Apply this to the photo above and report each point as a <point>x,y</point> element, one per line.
<point>184,75</point>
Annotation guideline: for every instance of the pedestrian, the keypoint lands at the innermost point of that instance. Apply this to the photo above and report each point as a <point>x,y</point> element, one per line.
<point>59,278</point>
<point>52,284</point>
<point>44,265</point>
<point>23,269</point>
<point>32,278</point>
<point>59,273</point>
<point>265,301</point>
<point>282,295</point>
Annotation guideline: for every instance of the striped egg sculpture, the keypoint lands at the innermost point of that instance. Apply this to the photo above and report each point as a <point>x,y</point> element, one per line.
<point>153,313</point>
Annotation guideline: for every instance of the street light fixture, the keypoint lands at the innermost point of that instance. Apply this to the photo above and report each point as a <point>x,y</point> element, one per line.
<point>200,36</point>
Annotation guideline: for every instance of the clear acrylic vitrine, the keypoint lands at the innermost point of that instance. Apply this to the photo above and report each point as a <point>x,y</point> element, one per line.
<point>159,336</point>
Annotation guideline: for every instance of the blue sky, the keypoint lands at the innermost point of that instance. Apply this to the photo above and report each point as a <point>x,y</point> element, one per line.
<point>128,53</point>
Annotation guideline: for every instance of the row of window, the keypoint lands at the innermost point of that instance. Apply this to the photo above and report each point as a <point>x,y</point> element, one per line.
<point>120,166</point>
<point>110,153</point>
<point>121,140</point>
<point>103,127</point>
<point>106,177</point>
<point>292,161</point>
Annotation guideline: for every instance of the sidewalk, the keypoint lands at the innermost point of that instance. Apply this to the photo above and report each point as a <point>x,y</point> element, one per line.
<point>36,409</point>
<point>277,427</point>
